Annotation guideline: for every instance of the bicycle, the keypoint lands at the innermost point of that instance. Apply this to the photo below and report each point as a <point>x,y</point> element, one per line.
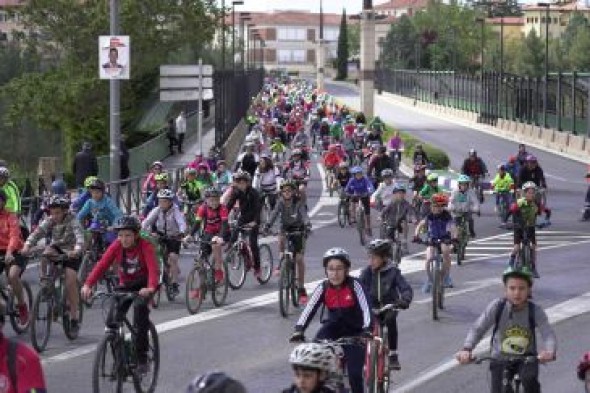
<point>118,343</point>
<point>343,210</point>
<point>462,236</point>
<point>511,382</point>
<point>524,256</point>
<point>504,199</point>
<point>288,284</point>
<point>201,278</point>
<point>391,232</point>
<point>93,253</point>
<point>9,299</point>
<point>238,260</point>
<point>435,276</point>
<point>266,210</point>
<point>476,186</point>
<point>51,303</point>
<point>377,371</point>
<point>165,280</point>
<point>330,179</point>
<point>360,219</point>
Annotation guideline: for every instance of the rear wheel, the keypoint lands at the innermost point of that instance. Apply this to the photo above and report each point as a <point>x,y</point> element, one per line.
<point>371,360</point>
<point>107,373</point>
<point>236,268</point>
<point>397,256</point>
<point>266,263</point>
<point>435,288</point>
<point>342,214</point>
<point>284,287</point>
<point>41,319</point>
<point>15,321</point>
<point>220,289</point>
<point>195,290</point>
<point>360,226</point>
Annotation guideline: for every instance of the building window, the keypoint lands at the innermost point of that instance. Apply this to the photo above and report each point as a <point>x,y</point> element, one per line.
<point>291,34</point>
<point>536,20</point>
<point>555,20</point>
<point>331,33</point>
<point>3,17</point>
<point>286,56</point>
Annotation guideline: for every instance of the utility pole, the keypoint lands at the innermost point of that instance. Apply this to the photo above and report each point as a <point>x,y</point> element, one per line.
<point>222,35</point>
<point>320,56</point>
<point>367,72</point>
<point>114,106</point>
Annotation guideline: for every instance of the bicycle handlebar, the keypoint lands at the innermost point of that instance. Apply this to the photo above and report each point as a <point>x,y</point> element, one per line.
<point>387,307</point>
<point>508,361</point>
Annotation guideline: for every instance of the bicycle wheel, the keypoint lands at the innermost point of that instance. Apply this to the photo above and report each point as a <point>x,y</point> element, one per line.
<point>219,289</point>
<point>236,269</point>
<point>342,214</point>
<point>266,263</point>
<point>440,296</point>
<point>156,298</point>
<point>195,290</point>
<point>284,287</point>
<point>360,226</point>
<point>435,288</point>
<point>15,321</point>
<point>397,256</point>
<point>371,360</point>
<point>65,314</point>
<point>41,321</point>
<point>384,372</point>
<point>526,256</point>
<point>107,373</point>
<point>146,383</point>
<point>170,294</point>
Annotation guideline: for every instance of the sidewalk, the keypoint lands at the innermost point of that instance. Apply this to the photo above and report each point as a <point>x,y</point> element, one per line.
<point>192,146</point>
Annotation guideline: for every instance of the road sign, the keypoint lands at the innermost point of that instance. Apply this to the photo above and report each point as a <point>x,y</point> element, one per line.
<point>183,83</point>
<point>113,57</point>
<point>185,70</point>
<point>185,95</point>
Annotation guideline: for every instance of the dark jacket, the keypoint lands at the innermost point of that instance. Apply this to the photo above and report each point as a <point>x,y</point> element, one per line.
<point>85,164</point>
<point>536,176</point>
<point>385,286</point>
<point>471,168</point>
<point>377,165</point>
<point>250,205</point>
<point>124,163</point>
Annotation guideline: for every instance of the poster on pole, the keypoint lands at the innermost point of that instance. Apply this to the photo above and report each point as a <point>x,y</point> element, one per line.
<point>113,57</point>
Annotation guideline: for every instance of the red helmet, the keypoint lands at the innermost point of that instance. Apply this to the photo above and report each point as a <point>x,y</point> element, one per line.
<point>583,366</point>
<point>512,159</point>
<point>440,199</point>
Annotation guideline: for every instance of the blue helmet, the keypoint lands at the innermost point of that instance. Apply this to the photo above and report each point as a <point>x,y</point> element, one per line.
<point>58,187</point>
<point>356,169</point>
<point>399,187</point>
<point>464,179</point>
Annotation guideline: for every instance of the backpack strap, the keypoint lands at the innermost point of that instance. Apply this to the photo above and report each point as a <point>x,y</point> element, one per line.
<point>11,363</point>
<point>497,317</point>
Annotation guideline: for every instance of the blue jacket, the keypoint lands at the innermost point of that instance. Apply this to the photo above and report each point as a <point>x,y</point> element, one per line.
<point>385,286</point>
<point>104,210</point>
<point>359,186</point>
<point>80,200</point>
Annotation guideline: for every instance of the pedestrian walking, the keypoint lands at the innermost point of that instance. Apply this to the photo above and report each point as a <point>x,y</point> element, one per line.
<point>85,164</point>
<point>171,135</point>
<point>124,162</point>
<point>180,129</point>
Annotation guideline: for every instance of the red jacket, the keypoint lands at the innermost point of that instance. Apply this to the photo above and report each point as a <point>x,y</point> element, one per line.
<point>29,374</point>
<point>141,261</point>
<point>10,235</point>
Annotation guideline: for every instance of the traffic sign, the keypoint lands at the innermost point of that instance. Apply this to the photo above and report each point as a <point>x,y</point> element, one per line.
<point>185,95</point>
<point>184,83</point>
<point>186,70</point>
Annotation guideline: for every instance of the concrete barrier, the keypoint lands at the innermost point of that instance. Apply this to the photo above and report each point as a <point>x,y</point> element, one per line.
<point>561,140</point>
<point>231,148</point>
<point>547,136</point>
<point>576,144</point>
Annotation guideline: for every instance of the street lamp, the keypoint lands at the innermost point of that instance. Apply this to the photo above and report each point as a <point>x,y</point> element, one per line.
<point>546,85</point>
<point>248,47</point>
<point>263,46</point>
<point>381,43</point>
<point>244,17</point>
<point>481,21</point>
<point>233,32</point>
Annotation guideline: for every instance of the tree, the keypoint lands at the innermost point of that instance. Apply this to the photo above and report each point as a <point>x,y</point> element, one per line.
<point>580,47</point>
<point>532,56</point>
<point>342,51</point>
<point>399,48</point>
<point>354,39</point>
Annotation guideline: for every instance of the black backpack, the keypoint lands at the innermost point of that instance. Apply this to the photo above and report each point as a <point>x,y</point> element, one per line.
<point>532,324</point>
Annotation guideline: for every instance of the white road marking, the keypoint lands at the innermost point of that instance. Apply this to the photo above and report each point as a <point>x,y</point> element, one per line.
<point>477,285</point>
<point>558,313</point>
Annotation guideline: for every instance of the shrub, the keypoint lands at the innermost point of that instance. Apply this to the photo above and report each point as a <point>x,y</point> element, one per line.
<point>438,158</point>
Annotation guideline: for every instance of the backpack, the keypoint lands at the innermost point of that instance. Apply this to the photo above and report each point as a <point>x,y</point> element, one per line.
<point>11,362</point>
<point>532,324</point>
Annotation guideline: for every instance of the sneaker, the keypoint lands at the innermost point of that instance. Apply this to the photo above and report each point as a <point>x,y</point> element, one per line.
<point>23,313</point>
<point>219,275</point>
<point>447,282</point>
<point>74,327</point>
<point>426,287</point>
<point>302,297</point>
<point>394,362</point>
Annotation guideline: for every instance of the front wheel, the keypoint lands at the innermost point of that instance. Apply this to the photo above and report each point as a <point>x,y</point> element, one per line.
<point>342,215</point>
<point>236,269</point>
<point>360,226</point>
<point>146,383</point>
<point>266,263</point>
<point>219,289</point>
<point>15,321</point>
<point>107,374</point>
<point>194,290</point>
<point>284,287</point>
<point>41,319</point>
<point>371,364</point>
<point>436,284</point>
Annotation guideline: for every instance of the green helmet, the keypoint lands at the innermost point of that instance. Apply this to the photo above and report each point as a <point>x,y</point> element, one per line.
<point>89,180</point>
<point>523,272</point>
<point>432,177</point>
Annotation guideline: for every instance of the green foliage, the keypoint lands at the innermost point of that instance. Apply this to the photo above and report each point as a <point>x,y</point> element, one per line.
<point>354,39</point>
<point>439,158</point>
<point>342,51</point>
<point>530,62</point>
<point>580,47</point>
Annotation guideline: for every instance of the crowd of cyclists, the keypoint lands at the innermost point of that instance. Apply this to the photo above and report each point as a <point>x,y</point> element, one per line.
<point>290,122</point>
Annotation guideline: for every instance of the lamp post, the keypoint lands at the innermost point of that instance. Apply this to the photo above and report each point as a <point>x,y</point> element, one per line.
<point>546,84</point>
<point>262,45</point>
<point>381,74</point>
<point>481,21</point>
<point>501,47</point>
<point>367,72</point>
<point>233,32</point>
<point>249,46</point>
<point>320,55</point>
<point>244,17</point>
<point>223,34</point>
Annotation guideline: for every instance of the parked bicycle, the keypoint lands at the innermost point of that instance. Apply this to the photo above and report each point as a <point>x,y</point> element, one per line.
<point>288,282</point>
<point>239,260</point>
<point>10,302</point>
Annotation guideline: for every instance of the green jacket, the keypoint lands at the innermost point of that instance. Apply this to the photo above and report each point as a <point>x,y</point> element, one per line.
<point>427,192</point>
<point>13,204</point>
<point>528,212</point>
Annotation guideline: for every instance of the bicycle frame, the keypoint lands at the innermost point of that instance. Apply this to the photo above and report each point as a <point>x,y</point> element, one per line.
<point>510,377</point>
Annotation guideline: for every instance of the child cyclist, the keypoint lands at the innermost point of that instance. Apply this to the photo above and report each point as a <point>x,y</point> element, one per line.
<point>464,202</point>
<point>359,186</point>
<point>101,209</point>
<point>439,225</point>
<point>348,313</point>
<point>524,212</point>
<point>384,284</point>
<point>396,215</point>
<point>314,366</point>
<point>382,196</point>
<point>503,185</point>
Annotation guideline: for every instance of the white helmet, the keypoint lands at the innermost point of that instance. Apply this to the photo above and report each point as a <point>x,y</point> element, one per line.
<point>312,355</point>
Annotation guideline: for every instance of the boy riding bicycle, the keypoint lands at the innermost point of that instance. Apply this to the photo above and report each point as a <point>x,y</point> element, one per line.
<point>464,202</point>
<point>524,212</point>
<point>396,215</point>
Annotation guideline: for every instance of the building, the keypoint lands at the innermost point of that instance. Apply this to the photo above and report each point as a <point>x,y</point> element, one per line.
<point>397,8</point>
<point>510,27</point>
<point>9,19</point>
<point>535,17</point>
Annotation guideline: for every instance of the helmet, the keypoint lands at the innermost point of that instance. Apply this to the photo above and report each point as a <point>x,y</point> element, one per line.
<point>399,187</point>
<point>387,173</point>
<point>215,382</point>
<point>190,171</point>
<point>58,187</point>
<point>463,179</point>
<point>512,159</point>
<point>202,165</point>
<point>4,172</point>
<point>472,152</point>
<point>531,158</point>
<point>161,177</point>
<point>97,184</point>
<point>128,222</point>
<point>338,253</point>
<point>524,272</point>
<point>242,175</point>
<point>529,184</point>
<point>165,193</point>
<point>157,163</point>
<point>343,165</point>
<point>59,201</point>
<point>501,167</point>
<point>289,183</point>
<point>89,180</point>
<point>296,152</point>
<point>440,199</point>
<point>212,192</point>
<point>583,366</point>
<point>314,356</point>
<point>356,169</point>
<point>432,177</point>
<point>380,247</point>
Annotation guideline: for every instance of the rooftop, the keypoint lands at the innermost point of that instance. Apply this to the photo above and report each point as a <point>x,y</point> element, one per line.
<point>397,4</point>
<point>289,18</point>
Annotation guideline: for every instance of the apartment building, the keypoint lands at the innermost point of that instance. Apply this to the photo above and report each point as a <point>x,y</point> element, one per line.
<point>397,8</point>
<point>535,17</point>
<point>9,18</point>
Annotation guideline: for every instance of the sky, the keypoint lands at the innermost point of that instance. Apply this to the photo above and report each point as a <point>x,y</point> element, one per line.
<point>333,6</point>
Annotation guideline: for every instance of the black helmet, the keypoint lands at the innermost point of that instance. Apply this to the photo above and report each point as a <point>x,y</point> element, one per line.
<point>128,222</point>
<point>59,201</point>
<point>242,175</point>
<point>215,382</point>
<point>380,247</point>
<point>338,253</point>
<point>97,184</point>
<point>59,187</point>
<point>212,192</point>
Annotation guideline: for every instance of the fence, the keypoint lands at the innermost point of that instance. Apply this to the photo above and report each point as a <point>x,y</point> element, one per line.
<point>233,91</point>
<point>494,96</point>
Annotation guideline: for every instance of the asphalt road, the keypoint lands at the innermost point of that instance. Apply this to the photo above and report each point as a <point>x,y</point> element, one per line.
<point>248,338</point>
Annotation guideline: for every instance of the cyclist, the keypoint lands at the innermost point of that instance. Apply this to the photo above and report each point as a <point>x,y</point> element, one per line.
<point>11,243</point>
<point>152,202</point>
<point>384,284</point>
<point>101,208</point>
<point>428,190</point>
<point>476,169</point>
<point>138,271</point>
<point>377,164</point>
<point>582,370</point>
<point>313,365</point>
<point>84,195</point>
<point>300,138</point>
<point>223,176</point>
<point>336,130</point>
<point>249,202</point>
<point>58,187</point>
<point>332,158</point>
<point>586,214</point>
<point>294,218</point>
<point>522,155</point>
<point>419,178</point>
<point>397,214</point>
<point>348,312</point>
<point>212,218</point>
<point>199,159</point>
<point>532,172</point>
<point>514,320</point>
<point>65,237</point>
<point>377,125</point>
<point>297,169</point>
<point>374,137</point>
<point>166,220</point>
<point>205,177</point>
<point>359,186</point>
<point>503,185</point>
<point>343,177</point>
<point>190,188</point>
<point>266,180</point>
<point>215,382</point>
<point>212,159</point>
<point>278,149</point>
<point>247,160</point>
<point>438,225</point>
<point>382,195</point>
<point>149,184</point>
<point>524,212</point>
<point>420,157</point>
<point>20,366</point>
<point>395,147</point>
<point>512,167</point>
<point>464,202</point>
<point>12,203</point>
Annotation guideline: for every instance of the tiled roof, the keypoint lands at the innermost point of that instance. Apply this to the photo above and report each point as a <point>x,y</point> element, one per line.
<point>572,6</point>
<point>397,4</point>
<point>289,18</point>
<point>507,20</point>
